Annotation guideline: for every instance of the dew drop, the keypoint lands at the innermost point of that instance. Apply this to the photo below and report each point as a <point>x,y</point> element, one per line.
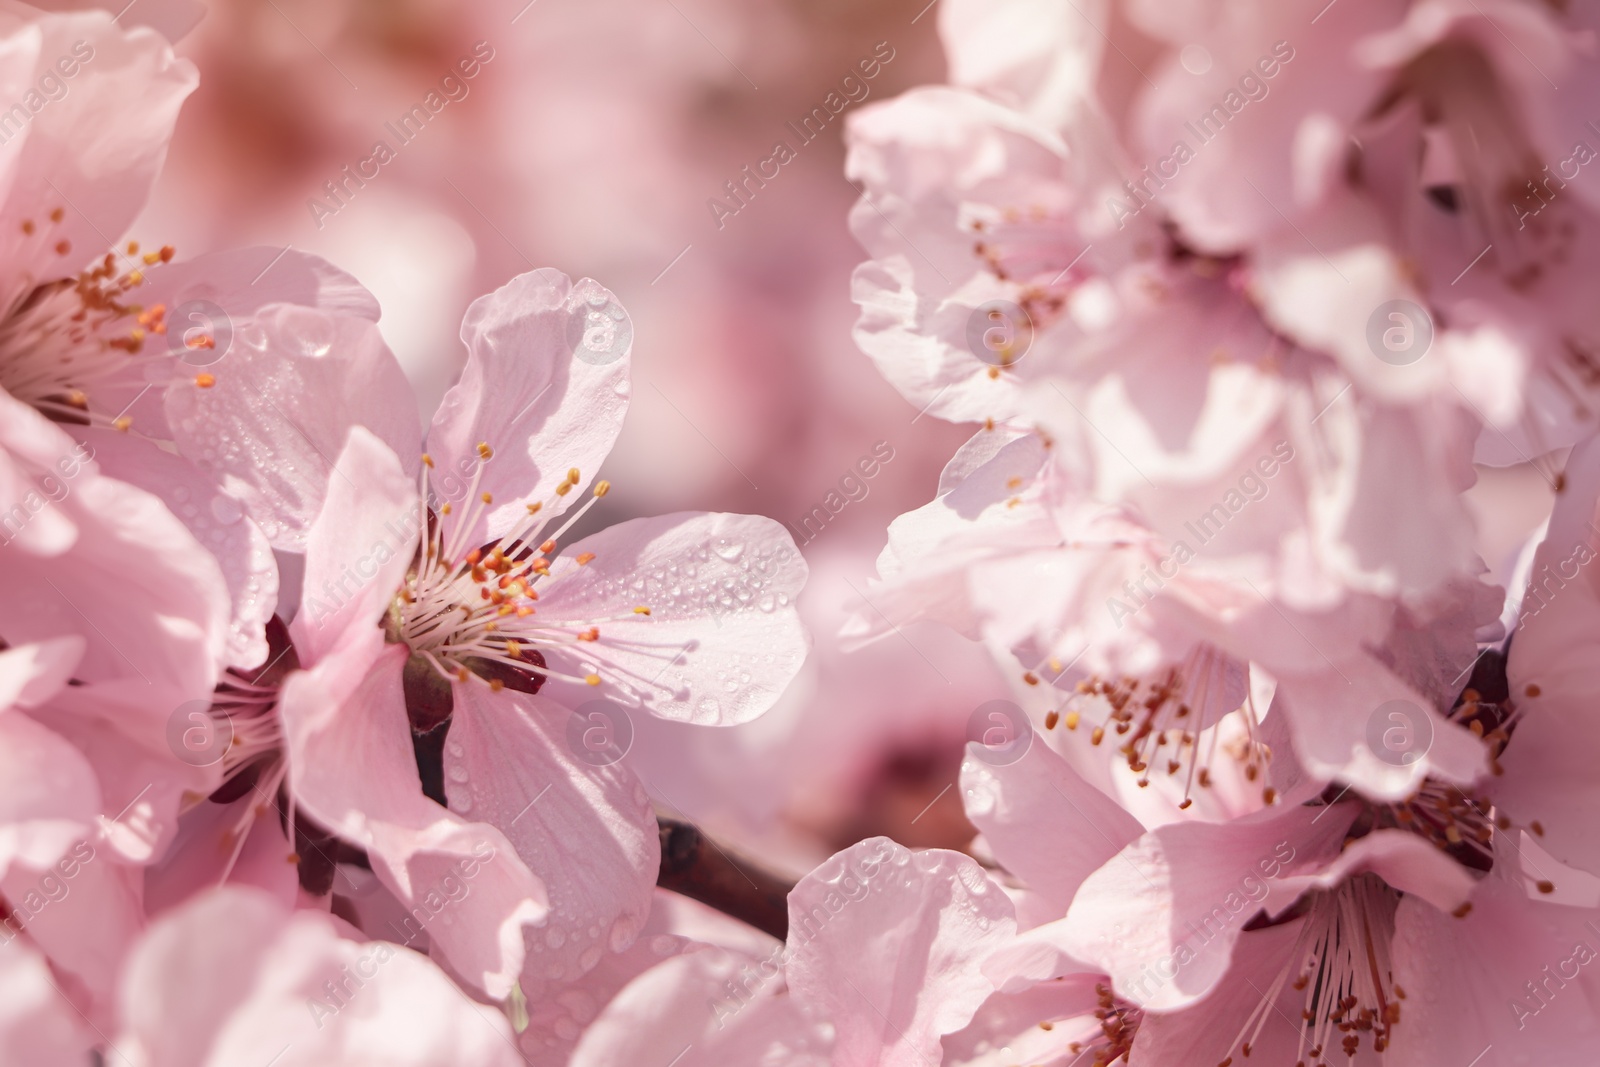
<point>226,510</point>
<point>623,931</point>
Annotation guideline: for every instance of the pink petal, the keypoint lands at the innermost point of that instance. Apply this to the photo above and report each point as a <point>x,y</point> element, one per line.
<point>664,1013</point>
<point>1212,1030</point>
<point>562,1015</point>
<point>358,549</point>
<point>917,160</point>
<point>234,975</point>
<point>588,833</point>
<point>128,577</point>
<point>84,914</point>
<point>204,847</point>
<point>1552,670</point>
<point>51,800</point>
<point>1008,1029</point>
<point>1179,897</point>
<point>217,522</point>
<point>545,386</point>
<point>1043,821</point>
<point>293,383</point>
<point>123,732</point>
<point>123,102</point>
<point>217,298</point>
<point>1333,716</point>
<point>38,1026</point>
<point>1515,974</point>
<point>722,639</point>
<point>351,702</point>
<point>887,944</point>
<point>1217,211</point>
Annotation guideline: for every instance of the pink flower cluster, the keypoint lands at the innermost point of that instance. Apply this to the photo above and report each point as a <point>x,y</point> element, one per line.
<point>1239,292</point>
<point>312,717</point>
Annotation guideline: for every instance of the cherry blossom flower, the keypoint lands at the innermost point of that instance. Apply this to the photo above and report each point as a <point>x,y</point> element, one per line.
<point>436,601</point>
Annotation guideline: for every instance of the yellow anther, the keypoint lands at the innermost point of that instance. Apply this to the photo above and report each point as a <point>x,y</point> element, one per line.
<point>601,488</point>
<point>592,679</point>
<point>641,610</point>
<point>204,380</point>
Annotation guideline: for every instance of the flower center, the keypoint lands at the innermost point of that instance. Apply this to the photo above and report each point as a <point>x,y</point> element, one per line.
<point>63,340</point>
<point>245,705</point>
<point>472,613</point>
<point>1341,962</point>
<point>1172,721</point>
<point>1463,823</point>
<point>1119,1022</point>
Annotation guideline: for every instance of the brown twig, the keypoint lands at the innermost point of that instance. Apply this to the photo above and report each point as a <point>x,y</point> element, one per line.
<point>691,864</point>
